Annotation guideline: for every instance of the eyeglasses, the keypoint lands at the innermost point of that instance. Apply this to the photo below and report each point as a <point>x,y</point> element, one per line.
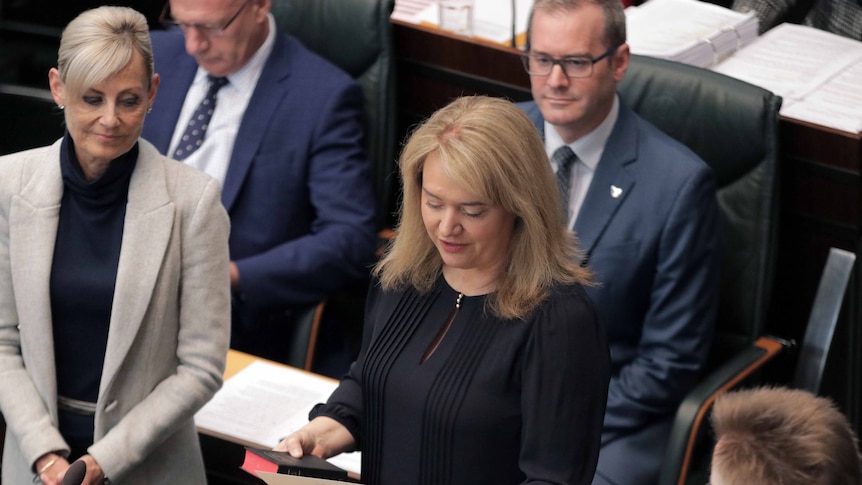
<point>208,30</point>
<point>573,67</point>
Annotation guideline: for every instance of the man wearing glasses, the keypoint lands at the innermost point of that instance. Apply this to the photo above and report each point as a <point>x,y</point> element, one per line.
<point>644,210</point>
<point>281,129</point>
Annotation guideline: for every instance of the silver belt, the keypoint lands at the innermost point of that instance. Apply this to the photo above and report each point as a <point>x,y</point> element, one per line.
<point>76,406</point>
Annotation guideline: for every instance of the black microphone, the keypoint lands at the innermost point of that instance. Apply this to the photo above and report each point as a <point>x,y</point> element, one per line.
<point>75,473</point>
<point>514,42</point>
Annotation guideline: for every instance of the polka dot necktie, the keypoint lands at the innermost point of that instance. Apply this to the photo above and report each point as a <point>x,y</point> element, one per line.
<point>193,137</point>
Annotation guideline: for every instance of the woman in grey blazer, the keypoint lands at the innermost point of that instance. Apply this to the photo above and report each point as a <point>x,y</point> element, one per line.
<point>114,286</point>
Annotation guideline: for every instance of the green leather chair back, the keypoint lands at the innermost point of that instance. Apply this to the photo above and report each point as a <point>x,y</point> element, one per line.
<point>733,126</point>
<point>356,36</point>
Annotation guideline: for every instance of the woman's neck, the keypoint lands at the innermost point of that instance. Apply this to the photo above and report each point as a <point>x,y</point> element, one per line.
<point>471,282</point>
<point>93,168</point>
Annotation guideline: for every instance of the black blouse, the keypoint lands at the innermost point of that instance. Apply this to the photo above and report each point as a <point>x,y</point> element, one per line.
<point>498,402</point>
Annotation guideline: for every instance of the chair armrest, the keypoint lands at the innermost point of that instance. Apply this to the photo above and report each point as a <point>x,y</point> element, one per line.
<point>304,341</point>
<point>694,409</point>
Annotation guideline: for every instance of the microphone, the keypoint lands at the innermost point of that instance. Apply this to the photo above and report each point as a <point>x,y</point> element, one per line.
<point>514,42</point>
<point>75,473</point>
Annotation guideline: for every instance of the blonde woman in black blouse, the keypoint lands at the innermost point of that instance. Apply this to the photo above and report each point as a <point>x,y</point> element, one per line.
<point>482,360</point>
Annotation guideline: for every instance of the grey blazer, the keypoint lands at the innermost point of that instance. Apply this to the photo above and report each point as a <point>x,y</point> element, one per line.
<point>169,328</point>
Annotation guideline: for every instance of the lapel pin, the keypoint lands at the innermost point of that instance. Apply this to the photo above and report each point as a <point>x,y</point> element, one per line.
<point>616,192</point>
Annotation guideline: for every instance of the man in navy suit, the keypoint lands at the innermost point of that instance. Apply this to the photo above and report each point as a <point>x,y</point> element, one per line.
<point>286,141</point>
<point>644,210</point>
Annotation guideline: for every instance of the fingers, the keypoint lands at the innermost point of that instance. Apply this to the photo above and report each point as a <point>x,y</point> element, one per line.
<point>295,444</point>
<point>95,475</point>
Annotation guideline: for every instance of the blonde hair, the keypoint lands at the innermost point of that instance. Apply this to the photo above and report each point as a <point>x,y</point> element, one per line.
<point>495,150</point>
<point>99,43</point>
<point>777,436</point>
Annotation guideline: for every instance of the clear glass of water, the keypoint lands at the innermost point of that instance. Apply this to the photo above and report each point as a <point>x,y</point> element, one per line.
<point>456,16</point>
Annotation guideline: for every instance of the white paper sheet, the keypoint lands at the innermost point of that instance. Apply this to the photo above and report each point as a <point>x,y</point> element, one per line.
<point>265,402</point>
<point>816,72</point>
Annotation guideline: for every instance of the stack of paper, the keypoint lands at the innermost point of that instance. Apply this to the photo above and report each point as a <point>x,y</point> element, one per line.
<point>818,74</point>
<point>409,10</point>
<point>688,31</point>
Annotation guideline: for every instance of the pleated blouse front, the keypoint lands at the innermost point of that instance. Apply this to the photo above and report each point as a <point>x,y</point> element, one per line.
<point>495,403</point>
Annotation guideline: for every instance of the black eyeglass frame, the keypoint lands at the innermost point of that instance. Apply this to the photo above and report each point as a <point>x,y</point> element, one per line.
<point>555,61</point>
<point>216,30</point>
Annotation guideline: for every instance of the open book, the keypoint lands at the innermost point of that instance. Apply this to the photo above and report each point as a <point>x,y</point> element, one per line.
<point>264,402</point>
<point>688,31</point>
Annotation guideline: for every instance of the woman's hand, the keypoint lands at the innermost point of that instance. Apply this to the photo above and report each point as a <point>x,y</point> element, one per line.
<point>95,475</point>
<point>323,437</point>
<point>54,468</point>
<point>51,468</point>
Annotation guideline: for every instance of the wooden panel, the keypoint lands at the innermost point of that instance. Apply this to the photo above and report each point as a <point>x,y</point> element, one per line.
<point>821,207</point>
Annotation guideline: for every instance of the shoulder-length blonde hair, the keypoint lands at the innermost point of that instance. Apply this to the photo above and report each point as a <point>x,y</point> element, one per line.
<point>495,150</point>
<point>99,43</point>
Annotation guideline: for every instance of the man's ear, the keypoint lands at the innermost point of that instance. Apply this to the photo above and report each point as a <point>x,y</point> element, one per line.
<point>621,61</point>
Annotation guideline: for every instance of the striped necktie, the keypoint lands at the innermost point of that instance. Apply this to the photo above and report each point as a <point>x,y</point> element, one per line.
<point>564,158</point>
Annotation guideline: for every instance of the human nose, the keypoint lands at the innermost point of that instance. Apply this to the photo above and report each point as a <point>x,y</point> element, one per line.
<point>450,223</point>
<point>557,77</point>
<point>109,115</point>
<point>195,41</point>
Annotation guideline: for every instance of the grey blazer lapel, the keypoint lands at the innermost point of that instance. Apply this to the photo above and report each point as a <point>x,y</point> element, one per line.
<point>146,234</point>
<point>33,218</point>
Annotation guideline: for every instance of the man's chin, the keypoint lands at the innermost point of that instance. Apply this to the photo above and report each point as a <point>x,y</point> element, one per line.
<point>212,68</point>
<point>558,117</point>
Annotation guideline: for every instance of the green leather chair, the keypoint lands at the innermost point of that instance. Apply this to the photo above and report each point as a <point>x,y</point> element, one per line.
<point>733,126</point>
<point>356,36</point>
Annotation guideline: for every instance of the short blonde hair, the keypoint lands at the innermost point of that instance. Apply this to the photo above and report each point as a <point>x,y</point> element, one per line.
<point>494,148</point>
<point>778,436</point>
<point>99,43</point>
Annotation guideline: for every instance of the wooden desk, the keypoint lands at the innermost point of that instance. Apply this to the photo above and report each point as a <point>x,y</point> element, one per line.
<point>821,200</point>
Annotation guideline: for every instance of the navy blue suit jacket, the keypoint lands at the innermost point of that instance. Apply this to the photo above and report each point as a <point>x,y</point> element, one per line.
<point>298,188</point>
<point>653,249</point>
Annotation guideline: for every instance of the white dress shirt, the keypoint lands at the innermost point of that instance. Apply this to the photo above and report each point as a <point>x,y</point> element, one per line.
<point>213,156</point>
<point>589,149</point>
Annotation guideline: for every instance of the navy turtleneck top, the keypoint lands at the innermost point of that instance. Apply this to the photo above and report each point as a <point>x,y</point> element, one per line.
<point>83,275</point>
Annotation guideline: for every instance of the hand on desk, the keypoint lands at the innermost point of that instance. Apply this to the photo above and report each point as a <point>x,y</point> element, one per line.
<point>323,437</point>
